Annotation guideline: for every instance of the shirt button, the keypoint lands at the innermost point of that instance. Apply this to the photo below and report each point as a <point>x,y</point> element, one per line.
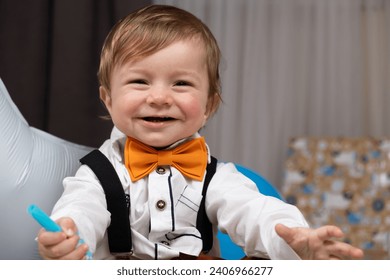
<point>161,204</point>
<point>165,243</point>
<point>160,170</point>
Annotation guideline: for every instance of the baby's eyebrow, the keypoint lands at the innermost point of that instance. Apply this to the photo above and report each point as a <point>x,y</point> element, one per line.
<point>187,73</point>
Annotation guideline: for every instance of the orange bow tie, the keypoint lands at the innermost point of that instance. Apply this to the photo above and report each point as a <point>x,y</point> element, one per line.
<point>189,158</point>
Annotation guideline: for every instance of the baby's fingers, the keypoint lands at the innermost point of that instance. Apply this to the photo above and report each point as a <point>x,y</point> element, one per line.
<point>58,250</point>
<point>77,254</point>
<point>285,233</point>
<point>47,238</point>
<point>340,250</point>
<point>329,232</point>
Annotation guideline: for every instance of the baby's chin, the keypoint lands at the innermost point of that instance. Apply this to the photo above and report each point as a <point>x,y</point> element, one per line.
<point>160,144</point>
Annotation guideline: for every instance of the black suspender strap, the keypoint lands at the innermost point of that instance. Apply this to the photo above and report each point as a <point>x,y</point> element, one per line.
<point>119,234</point>
<point>203,223</point>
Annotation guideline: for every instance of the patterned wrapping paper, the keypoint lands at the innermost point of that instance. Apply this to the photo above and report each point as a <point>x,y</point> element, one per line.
<point>344,182</point>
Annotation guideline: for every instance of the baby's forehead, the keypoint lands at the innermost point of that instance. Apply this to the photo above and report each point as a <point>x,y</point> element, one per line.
<point>133,54</point>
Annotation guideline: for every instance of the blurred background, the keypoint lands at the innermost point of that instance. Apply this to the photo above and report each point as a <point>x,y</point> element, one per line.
<point>290,68</point>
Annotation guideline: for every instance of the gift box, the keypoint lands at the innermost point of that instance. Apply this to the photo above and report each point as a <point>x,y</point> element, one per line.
<point>343,182</point>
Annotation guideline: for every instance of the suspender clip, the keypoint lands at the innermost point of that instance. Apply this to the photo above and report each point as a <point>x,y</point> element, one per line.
<point>123,256</point>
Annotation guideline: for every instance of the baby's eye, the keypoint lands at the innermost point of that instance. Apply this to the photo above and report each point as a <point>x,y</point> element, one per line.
<point>138,81</point>
<point>182,83</point>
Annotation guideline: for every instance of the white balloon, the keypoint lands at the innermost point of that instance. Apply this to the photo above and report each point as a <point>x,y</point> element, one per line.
<point>33,164</point>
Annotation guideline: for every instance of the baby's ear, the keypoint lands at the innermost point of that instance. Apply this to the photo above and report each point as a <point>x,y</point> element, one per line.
<point>105,97</point>
<point>213,104</point>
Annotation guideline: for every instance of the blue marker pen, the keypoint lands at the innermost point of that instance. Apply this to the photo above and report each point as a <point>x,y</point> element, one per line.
<point>48,224</point>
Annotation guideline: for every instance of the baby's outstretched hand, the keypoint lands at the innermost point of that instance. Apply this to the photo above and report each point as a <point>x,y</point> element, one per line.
<point>61,245</point>
<point>318,244</point>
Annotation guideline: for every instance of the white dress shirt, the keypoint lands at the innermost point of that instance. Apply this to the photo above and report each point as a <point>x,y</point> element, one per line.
<point>163,210</point>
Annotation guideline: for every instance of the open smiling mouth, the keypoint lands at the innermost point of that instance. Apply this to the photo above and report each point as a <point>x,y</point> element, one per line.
<point>158,119</point>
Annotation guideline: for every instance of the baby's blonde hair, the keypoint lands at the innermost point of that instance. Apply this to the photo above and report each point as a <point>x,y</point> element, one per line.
<point>151,29</point>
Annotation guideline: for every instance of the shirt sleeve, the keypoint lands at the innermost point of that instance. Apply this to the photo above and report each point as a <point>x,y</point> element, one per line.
<point>84,201</point>
<point>234,203</point>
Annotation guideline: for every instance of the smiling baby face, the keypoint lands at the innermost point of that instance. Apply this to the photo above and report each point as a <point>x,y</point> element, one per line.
<point>161,98</point>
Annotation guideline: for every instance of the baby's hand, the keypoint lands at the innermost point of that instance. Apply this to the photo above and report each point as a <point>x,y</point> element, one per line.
<point>318,244</point>
<point>61,245</point>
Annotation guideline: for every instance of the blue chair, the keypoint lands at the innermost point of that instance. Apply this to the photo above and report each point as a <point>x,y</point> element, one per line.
<point>229,250</point>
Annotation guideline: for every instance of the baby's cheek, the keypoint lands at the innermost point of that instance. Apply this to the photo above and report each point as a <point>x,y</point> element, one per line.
<point>196,112</point>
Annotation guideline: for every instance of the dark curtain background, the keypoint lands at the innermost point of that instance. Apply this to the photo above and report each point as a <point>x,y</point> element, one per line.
<point>49,57</point>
